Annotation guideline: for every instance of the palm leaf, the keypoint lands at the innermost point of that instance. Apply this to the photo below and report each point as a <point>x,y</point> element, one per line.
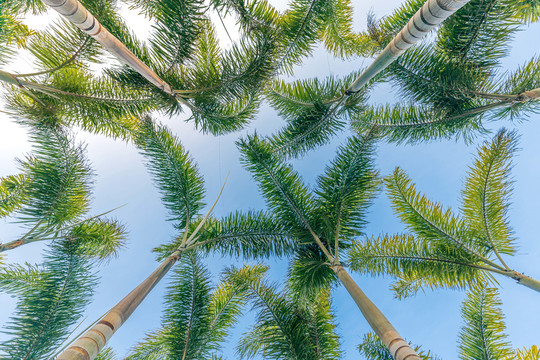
<point>178,179</point>
<point>482,337</point>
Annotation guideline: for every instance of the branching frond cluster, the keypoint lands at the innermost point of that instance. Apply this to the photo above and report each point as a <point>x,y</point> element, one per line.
<point>445,250</point>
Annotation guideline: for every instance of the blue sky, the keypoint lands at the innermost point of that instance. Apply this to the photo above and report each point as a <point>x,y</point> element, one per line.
<point>438,168</point>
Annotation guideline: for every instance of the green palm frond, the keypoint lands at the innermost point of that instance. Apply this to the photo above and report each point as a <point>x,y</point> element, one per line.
<point>374,349</point>
<point>446,250</point>
<point>48,307</point>
<point>12,32</point>
<point>309,272</point>
<point>254,17</point>
<point>485,196</point>
<point>413,124</point>
<point>61,45</point>
<point>59,179</point>
<point>527,11</point>
<point>337,32</point>
<point>299,30</point>
<point>322,327</point>
<point>196,320</point>
<point>98,238</point>
<point>13,193</point>
<point>347,187</point>
<point>285,329</point>
<point>286,195</point>
<point>417,263</point>
<point>153,347</point>
<point>426,219</point>
<point>479,32</point>
<point>175,30</point>
<point>185,308</point>
<point>525,78</point>
<point>532,353</point>
<point>314,111</point>
<point>482,336</point>
<point>106,354</point>
<point>382,31</point>
<point>251,235</point>
<point>18,280</point>
<point>424,75</point>
<point>178,178</point>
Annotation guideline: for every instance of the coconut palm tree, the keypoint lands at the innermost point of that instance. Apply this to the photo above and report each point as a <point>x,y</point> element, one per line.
<point>325,220</point>
<point>182,191</point>
<point>443,249</point>
<point>481,337</point>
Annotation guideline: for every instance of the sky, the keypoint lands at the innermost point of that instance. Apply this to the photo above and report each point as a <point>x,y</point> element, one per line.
<point>438,168</point>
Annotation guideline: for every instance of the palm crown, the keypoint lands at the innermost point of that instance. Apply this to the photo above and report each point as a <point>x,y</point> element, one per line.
<point>445,250</point>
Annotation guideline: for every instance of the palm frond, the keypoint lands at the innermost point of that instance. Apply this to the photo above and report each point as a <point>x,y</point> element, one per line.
<point>428,220</point>
<point>482,336</point>
<point>314,111</point>
<point>280,332</point>
<point>532,353</point>
<point>523,79</point>
<point>479,32</point>
<point>18,280</point>
<point>175,30</point>
<point>98,238</point>
<point>337,32</point>
<point>413,124</point>
<point>417,264</point>
<point>347,187</point>
<point>178,178</point>
<point>309,272</point>
<point>13,193</point>
<point>59,179</point>
<point>485,196</point>
<point>286,195</point>
<point>46,309</point>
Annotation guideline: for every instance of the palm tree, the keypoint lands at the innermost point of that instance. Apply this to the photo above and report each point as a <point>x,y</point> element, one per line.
<point>51,297</point>
<point>182,191</point>
<point>451,82</point>
<point>288,325</point>
<point>481,337</point>
<point>51,195</point>
<point>197,317</point>
<point>324,221</point>
<point>454,82</point>
<point>445,250</point>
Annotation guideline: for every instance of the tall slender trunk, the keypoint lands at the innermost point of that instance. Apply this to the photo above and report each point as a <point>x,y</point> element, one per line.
<point>76,13</point>
<point>90,344</point>
<point>525,280</point>
<point>398,347</point>
<point>430,15</point>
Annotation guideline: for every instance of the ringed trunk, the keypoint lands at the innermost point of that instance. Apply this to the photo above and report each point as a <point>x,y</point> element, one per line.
<point>399,348</point>
<point>77,14</point>
<point>430,15</point>
<point>88,346</point>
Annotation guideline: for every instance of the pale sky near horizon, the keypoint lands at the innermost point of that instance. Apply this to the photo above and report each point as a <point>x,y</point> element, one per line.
<point>439,169</point>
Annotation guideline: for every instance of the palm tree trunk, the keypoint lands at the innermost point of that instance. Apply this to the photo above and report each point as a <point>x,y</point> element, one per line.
<point>90,344</point>
<point>525,280</point>
<point>76,13</point>
<point>430,15</point>
<point>398,347</point>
